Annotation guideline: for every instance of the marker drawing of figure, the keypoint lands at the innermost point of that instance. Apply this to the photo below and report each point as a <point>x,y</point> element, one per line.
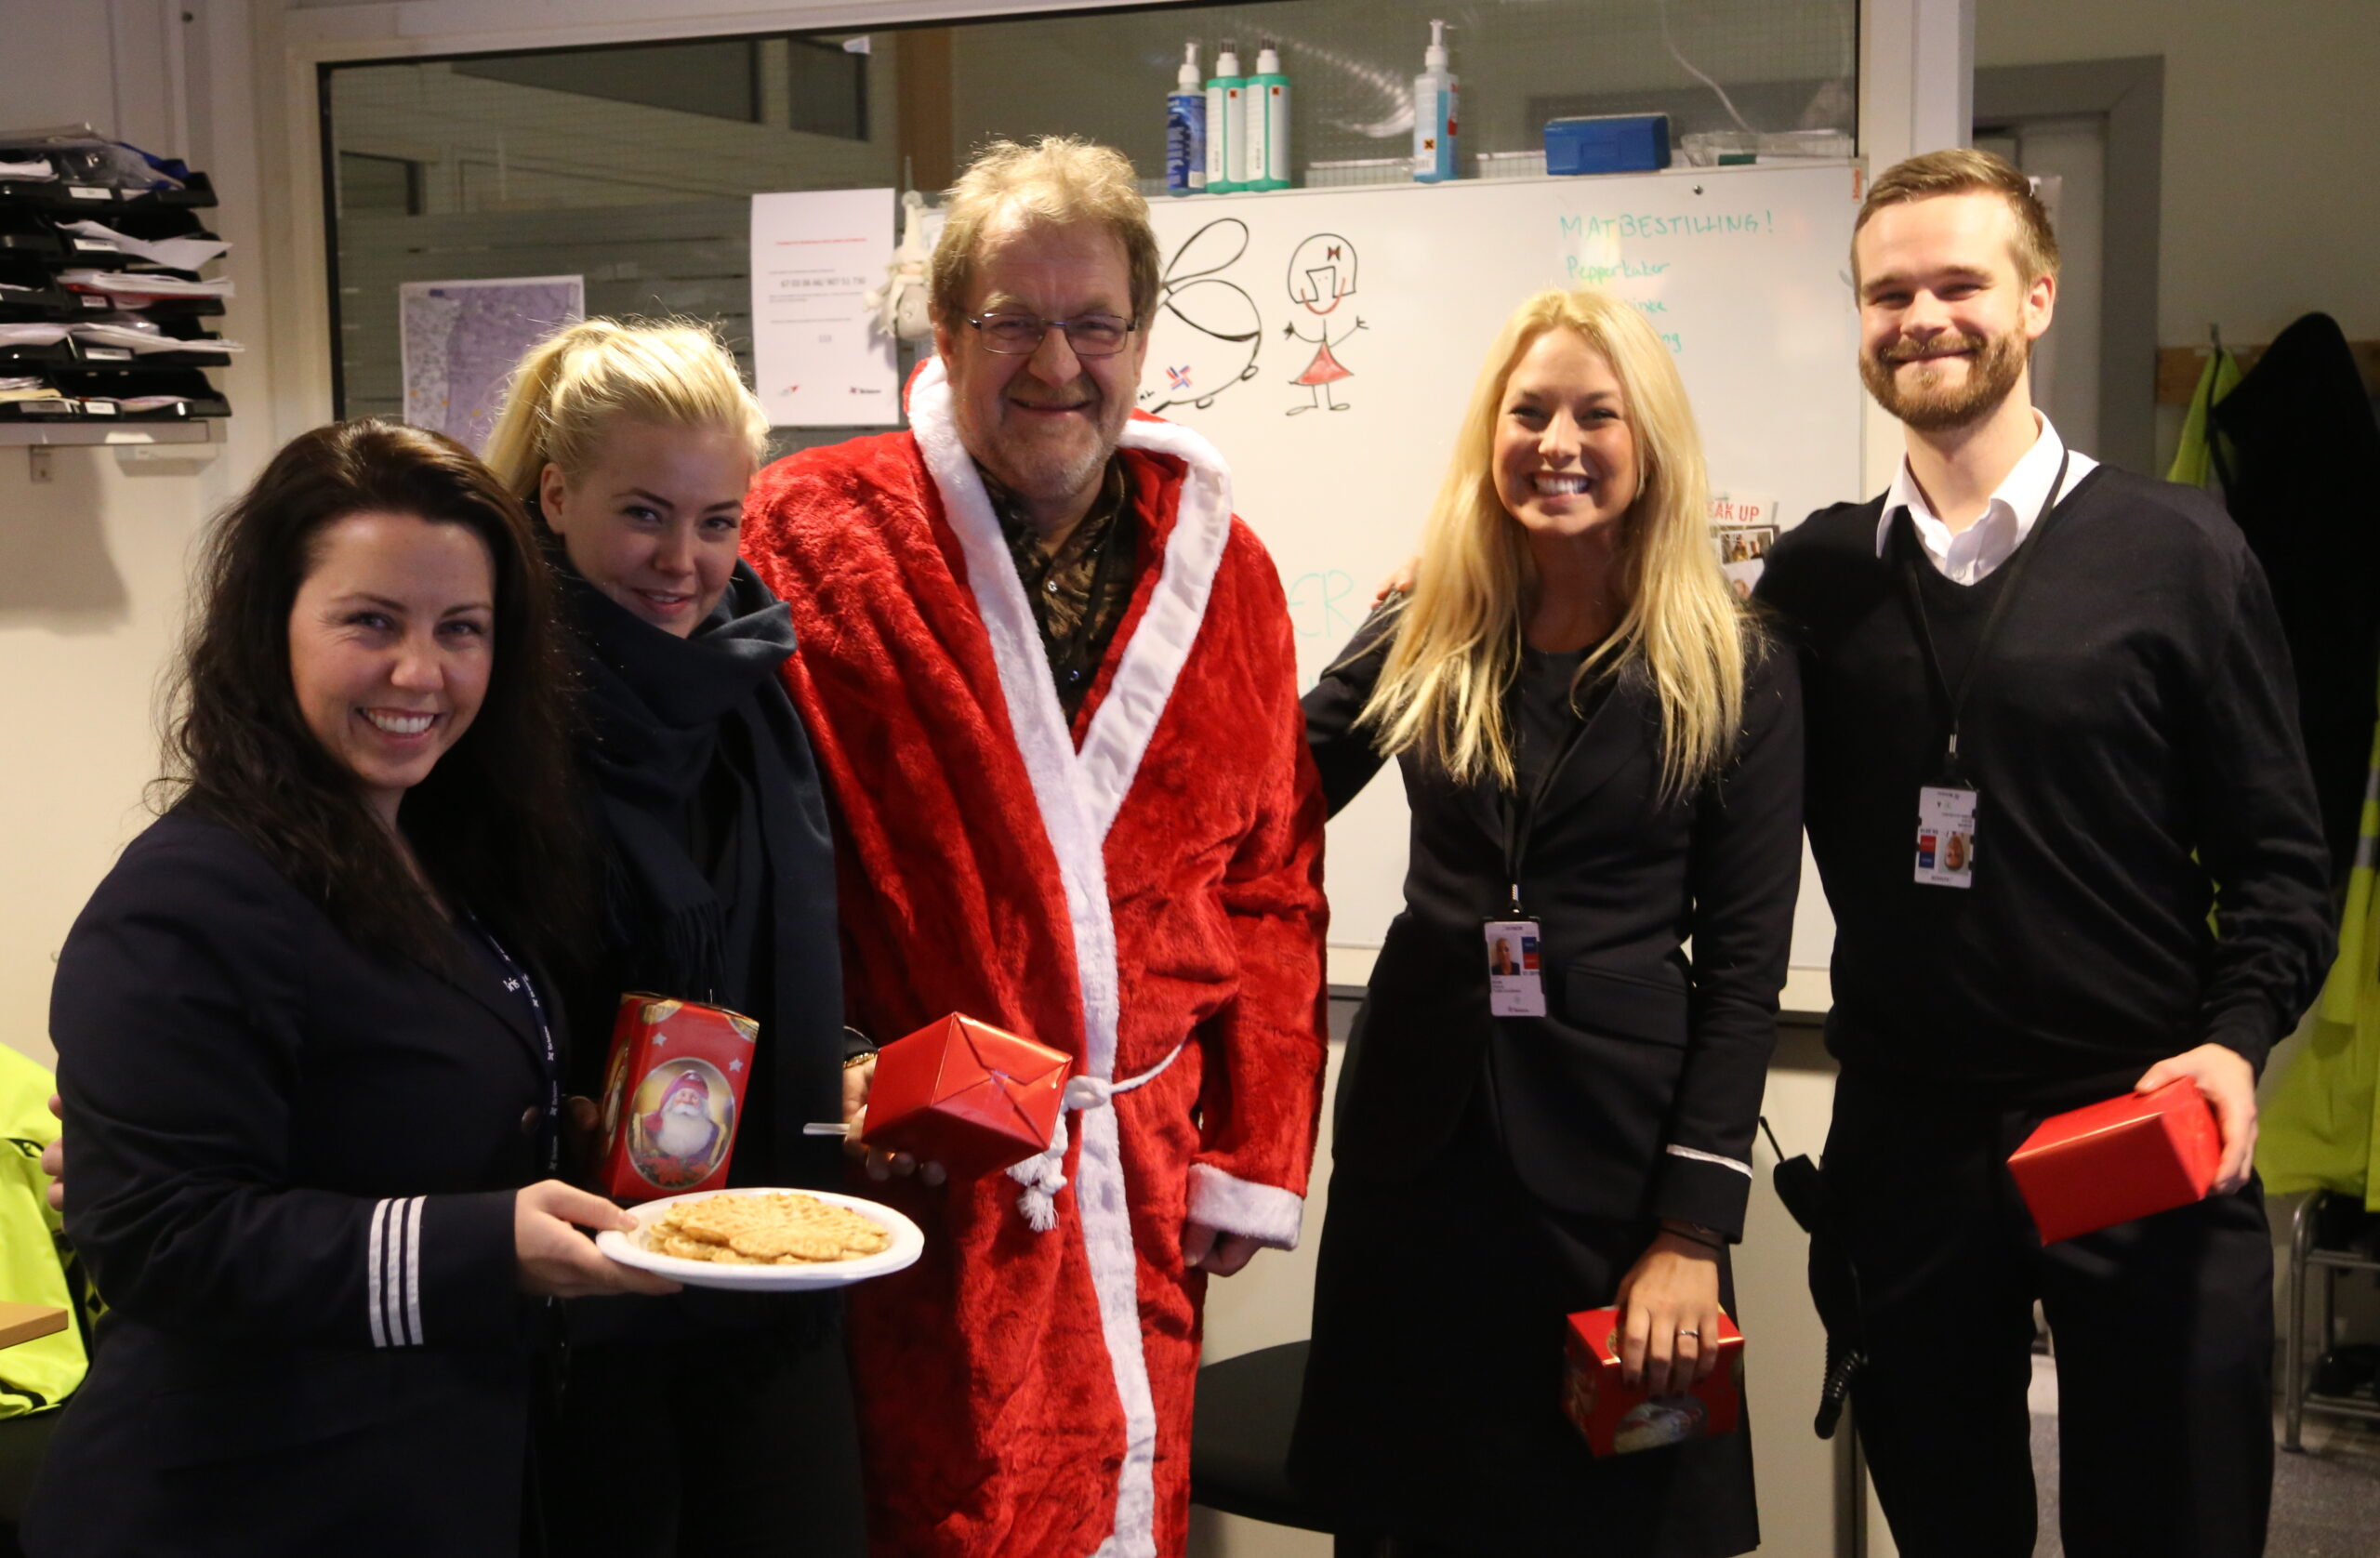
<point>1212,342</point>
<point>1322,274</point>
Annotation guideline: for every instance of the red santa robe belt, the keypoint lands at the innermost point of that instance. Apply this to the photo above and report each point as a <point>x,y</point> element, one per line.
<point>1078,794</point>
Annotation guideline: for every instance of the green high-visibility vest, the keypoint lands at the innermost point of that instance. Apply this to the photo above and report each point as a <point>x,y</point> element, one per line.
<point>2317,1130</point>
<point>42,1373</point>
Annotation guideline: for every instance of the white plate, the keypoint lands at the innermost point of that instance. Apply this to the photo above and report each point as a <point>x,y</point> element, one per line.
<point>908,1243</point>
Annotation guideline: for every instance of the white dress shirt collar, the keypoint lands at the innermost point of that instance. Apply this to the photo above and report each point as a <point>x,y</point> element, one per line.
<point>1967,557</point>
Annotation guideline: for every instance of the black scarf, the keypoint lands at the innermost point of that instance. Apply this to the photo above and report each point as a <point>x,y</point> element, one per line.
<point>719,880</point>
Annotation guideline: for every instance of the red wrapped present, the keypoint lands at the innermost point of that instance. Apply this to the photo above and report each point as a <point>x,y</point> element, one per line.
<point>2109,1162</point>
<point>673,1092</point>
<point>1618,1421</point>
<point>970,1096</point>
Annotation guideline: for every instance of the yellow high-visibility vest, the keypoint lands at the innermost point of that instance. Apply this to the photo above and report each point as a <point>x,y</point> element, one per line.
<point>40,1373</point>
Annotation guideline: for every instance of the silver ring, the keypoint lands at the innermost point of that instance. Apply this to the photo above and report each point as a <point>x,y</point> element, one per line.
<point>1689,1330</point>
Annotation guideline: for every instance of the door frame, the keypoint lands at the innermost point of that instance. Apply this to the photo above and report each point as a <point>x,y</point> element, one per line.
<point>2130,95</point>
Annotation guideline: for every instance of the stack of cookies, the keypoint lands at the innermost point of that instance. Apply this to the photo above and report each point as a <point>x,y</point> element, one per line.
<point>779,1228</point>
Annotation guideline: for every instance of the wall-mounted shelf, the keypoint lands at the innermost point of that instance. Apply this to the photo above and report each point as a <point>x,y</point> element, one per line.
<point>123,433</point>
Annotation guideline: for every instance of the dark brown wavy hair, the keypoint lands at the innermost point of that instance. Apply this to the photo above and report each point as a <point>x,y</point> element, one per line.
<point>493,827</point>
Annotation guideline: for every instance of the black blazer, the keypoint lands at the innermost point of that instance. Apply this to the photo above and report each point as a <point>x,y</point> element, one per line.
<point>293,1168</point>
<point>1637,1096</point>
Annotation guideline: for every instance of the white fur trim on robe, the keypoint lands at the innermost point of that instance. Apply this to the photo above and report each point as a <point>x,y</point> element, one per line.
<point>1078,795</point>
<point>1264,1212</point>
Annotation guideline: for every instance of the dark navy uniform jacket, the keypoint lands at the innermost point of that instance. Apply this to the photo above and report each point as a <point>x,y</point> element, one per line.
<point>1635,1096</point>
<point>293,1174</point>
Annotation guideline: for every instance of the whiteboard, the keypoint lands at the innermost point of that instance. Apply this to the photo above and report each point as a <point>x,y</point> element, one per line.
<point>1326,340</point>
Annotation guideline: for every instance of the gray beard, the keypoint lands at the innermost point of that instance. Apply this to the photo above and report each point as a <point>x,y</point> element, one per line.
<point>1046,480</point>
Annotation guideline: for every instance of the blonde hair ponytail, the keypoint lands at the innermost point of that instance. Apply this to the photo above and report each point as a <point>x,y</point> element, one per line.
<point>1458,644</point>
<point>568,388</point>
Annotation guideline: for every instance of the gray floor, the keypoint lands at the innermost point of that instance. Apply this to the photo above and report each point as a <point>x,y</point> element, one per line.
<point>2325,1502</point>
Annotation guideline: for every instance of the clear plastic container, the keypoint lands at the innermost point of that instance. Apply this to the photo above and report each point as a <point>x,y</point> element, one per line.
<point>1731,148</point>
<point>1512,164</point>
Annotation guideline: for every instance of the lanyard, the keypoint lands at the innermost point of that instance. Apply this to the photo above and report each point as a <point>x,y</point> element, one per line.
<point>1955,703</point>
<point>1520,821</point>
<point>514,974</point>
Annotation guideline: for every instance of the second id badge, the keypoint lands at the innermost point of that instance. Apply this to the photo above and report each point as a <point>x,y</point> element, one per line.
<point>1945,836</point>
<point>1514,987</point>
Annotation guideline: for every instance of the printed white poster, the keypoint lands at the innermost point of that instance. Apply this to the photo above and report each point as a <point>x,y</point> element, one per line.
<point>818,358</point>
<point>460,341</point>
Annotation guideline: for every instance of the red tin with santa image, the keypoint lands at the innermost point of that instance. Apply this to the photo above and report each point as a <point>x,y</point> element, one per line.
<point>1618,1421</point>
<point>673,1093</point>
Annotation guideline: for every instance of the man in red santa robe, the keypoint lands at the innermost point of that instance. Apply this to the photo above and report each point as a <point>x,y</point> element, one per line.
<point>1050,680</point>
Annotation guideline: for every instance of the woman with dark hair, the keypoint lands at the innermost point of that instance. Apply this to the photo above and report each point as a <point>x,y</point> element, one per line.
<point>634,443</point>
<point>312,1072</point>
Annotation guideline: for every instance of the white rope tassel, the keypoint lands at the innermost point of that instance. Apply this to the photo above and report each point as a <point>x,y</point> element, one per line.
<point>1044,1174</point>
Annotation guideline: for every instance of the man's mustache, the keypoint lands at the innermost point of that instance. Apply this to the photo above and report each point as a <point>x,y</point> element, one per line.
<point>1949,344</point>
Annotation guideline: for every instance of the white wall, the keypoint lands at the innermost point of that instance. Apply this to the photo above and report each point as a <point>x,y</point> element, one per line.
<point>92,562</point>
<point>2269,160</point>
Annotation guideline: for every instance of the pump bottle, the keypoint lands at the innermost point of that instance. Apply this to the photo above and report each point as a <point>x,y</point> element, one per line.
<point>1226,123</point>
<point>1185,129</point>
<point>1433,112</point>
<point>1268,123</point>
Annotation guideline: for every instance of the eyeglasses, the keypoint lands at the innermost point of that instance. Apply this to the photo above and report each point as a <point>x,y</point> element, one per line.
<point>1020,335</point>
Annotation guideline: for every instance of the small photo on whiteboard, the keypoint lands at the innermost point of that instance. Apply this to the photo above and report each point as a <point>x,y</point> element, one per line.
<point>461,339</point>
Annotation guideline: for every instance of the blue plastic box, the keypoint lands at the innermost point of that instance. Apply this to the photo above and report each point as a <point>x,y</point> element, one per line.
<point>1607,143</point>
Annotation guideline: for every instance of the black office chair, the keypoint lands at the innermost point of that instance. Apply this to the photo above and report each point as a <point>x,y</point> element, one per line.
<point>1239,1443</point>
<point>23,1441</point>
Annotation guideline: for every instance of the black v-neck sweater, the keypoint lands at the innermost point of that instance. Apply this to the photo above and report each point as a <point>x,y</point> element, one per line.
<point>2132,734</point>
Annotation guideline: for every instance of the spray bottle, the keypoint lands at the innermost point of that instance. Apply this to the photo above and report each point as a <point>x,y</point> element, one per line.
<point>1433,112</point>
<point>1268,123</point>
<point>1227,123</point>
<point>1185,129</point>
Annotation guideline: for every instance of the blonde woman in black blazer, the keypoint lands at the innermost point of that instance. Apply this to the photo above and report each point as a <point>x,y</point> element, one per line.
<point>309,1061</point>
<point>1586,721</point>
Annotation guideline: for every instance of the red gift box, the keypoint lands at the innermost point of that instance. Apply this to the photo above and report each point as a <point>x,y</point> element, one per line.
<point>2109,1162</point>
<point>673,1092</point>
<point>1618,1421</point>
<point>970,1096</point>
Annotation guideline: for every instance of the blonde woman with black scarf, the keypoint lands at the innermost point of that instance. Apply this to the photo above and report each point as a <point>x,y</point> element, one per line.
<point>1604,761</point>
<point>730,1414</point>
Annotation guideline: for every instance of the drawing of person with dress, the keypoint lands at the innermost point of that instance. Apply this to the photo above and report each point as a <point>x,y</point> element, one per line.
<point>1322,273</point>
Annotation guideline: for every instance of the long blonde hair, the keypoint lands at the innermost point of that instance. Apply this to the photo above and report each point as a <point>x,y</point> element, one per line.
<point>569,388</point>
<point>1458,642</point>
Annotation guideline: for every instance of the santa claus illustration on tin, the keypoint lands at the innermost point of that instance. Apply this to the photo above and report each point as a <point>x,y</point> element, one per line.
<point>678,1142</point>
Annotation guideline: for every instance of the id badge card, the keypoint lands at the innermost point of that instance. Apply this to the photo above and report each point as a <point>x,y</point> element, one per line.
<point>1515,987</point>
<point>1946,835</point>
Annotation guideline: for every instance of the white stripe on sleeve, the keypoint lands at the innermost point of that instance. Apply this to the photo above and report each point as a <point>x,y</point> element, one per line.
<point>413,1265</point>
<point>1743,1169</point>
<point>371,1273</point>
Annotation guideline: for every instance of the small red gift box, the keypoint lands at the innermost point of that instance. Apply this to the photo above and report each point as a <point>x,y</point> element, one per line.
<point>2126,1157</point>
<point>1618,1421</point>
<point>673,1092</point>
<point>970,1096</point>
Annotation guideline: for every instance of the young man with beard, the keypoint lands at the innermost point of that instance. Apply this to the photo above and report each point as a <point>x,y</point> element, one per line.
<point>1051,684</point>
<point>2079,671</point>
